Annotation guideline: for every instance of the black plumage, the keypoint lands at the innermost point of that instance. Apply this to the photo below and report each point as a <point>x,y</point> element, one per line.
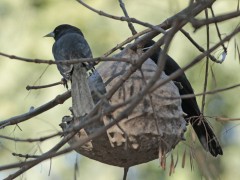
<point>202,128</point>
<point>70,44</point>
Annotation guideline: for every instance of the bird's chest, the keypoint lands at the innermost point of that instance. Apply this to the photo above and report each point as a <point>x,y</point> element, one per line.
<point>64,51</point>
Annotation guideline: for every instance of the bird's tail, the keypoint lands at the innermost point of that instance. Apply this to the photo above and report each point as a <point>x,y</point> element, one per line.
<point>206,135</point>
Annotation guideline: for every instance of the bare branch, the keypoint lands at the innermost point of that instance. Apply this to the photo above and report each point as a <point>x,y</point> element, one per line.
<point>185,15</point>
<point>60,99</point>
<point>73,61</point>
<point>130,25</point>
<point>27,156</point>
<point>44,86</point>
<point>194,8</point>
<point>224,119</point>
<point>218,31</point>
<point>209,92</point>
<point>28,59</point>
<point>206,66</point>
<point>128,40</point>
<point>199,23</point>
<point>195,61</point>
<point>30,140</point>
<point>133,20</point>
<point>201,49</point>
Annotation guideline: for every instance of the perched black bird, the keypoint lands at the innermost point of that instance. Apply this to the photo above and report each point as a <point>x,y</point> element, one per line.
<point>70,44</point>
<point>203,130</point>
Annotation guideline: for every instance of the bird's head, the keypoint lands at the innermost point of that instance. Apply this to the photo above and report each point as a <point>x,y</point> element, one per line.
<point>63,29</point>
<point>66,122</point>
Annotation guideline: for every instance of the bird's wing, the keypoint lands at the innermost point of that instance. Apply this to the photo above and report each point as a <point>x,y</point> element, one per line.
<point>189,105</point>
<point>71,46</point>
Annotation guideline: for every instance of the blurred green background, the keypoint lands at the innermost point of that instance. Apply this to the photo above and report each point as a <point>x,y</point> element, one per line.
<point>23,23</point>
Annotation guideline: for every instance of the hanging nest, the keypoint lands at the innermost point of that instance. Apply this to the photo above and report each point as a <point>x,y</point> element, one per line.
<point>154,127</point>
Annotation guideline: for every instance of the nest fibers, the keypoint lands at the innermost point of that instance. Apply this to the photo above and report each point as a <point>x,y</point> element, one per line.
<point>155,126</point>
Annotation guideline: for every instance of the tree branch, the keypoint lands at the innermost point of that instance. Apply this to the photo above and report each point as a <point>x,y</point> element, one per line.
<point>60,99</point>
<point>202,22</point>
<point>133,20</point>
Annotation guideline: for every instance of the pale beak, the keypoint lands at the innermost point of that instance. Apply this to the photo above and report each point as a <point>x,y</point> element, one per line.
<point>51,34</point>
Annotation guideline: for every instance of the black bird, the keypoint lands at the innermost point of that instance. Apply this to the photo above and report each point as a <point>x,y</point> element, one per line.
<point>203,130</point>
<point>70,44</point>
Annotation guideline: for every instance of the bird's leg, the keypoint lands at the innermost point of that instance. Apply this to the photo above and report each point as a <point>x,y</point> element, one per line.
<point>64,82</point>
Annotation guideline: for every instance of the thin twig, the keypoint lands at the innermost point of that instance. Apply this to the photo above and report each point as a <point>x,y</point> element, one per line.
<point>39,61</point>
<point>128,40</point>
<point>184,16</point>
<point>44,86</point>
<point>27,156</point>
<point>125,173</point>
<point>195,61</point>
<point>201,49</point>
<point>202,22</point>
<point>133,20</point>
<point>194,8</point>
<point>30,140</point>
<point>130,25</point>
<point>218,31</point>
<point>226,119</point>
<point>208,92</point>
<point>238,5</point>
<point>206,67</point>
<point>60,99</point>
<point>73,61</point>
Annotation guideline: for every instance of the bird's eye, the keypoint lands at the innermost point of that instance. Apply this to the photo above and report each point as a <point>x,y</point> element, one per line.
<point>68,122</point>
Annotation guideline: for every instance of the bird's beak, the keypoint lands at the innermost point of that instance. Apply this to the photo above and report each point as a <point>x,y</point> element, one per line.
<point>62,125</point>
<point>51,34</point>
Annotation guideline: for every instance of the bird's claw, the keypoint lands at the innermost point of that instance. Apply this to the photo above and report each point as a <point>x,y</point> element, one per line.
<point>64,82</point>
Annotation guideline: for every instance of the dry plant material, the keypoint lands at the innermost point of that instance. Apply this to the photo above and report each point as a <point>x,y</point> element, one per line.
<point>139,136</point>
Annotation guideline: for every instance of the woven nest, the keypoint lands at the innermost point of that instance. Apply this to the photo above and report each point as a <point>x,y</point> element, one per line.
<point>155,126</point>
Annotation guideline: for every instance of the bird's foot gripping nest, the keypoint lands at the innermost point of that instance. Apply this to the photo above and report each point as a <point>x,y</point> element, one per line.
<point>64,82</point>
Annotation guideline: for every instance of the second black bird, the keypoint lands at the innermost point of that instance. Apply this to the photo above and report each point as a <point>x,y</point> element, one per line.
<point>200,125</point>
